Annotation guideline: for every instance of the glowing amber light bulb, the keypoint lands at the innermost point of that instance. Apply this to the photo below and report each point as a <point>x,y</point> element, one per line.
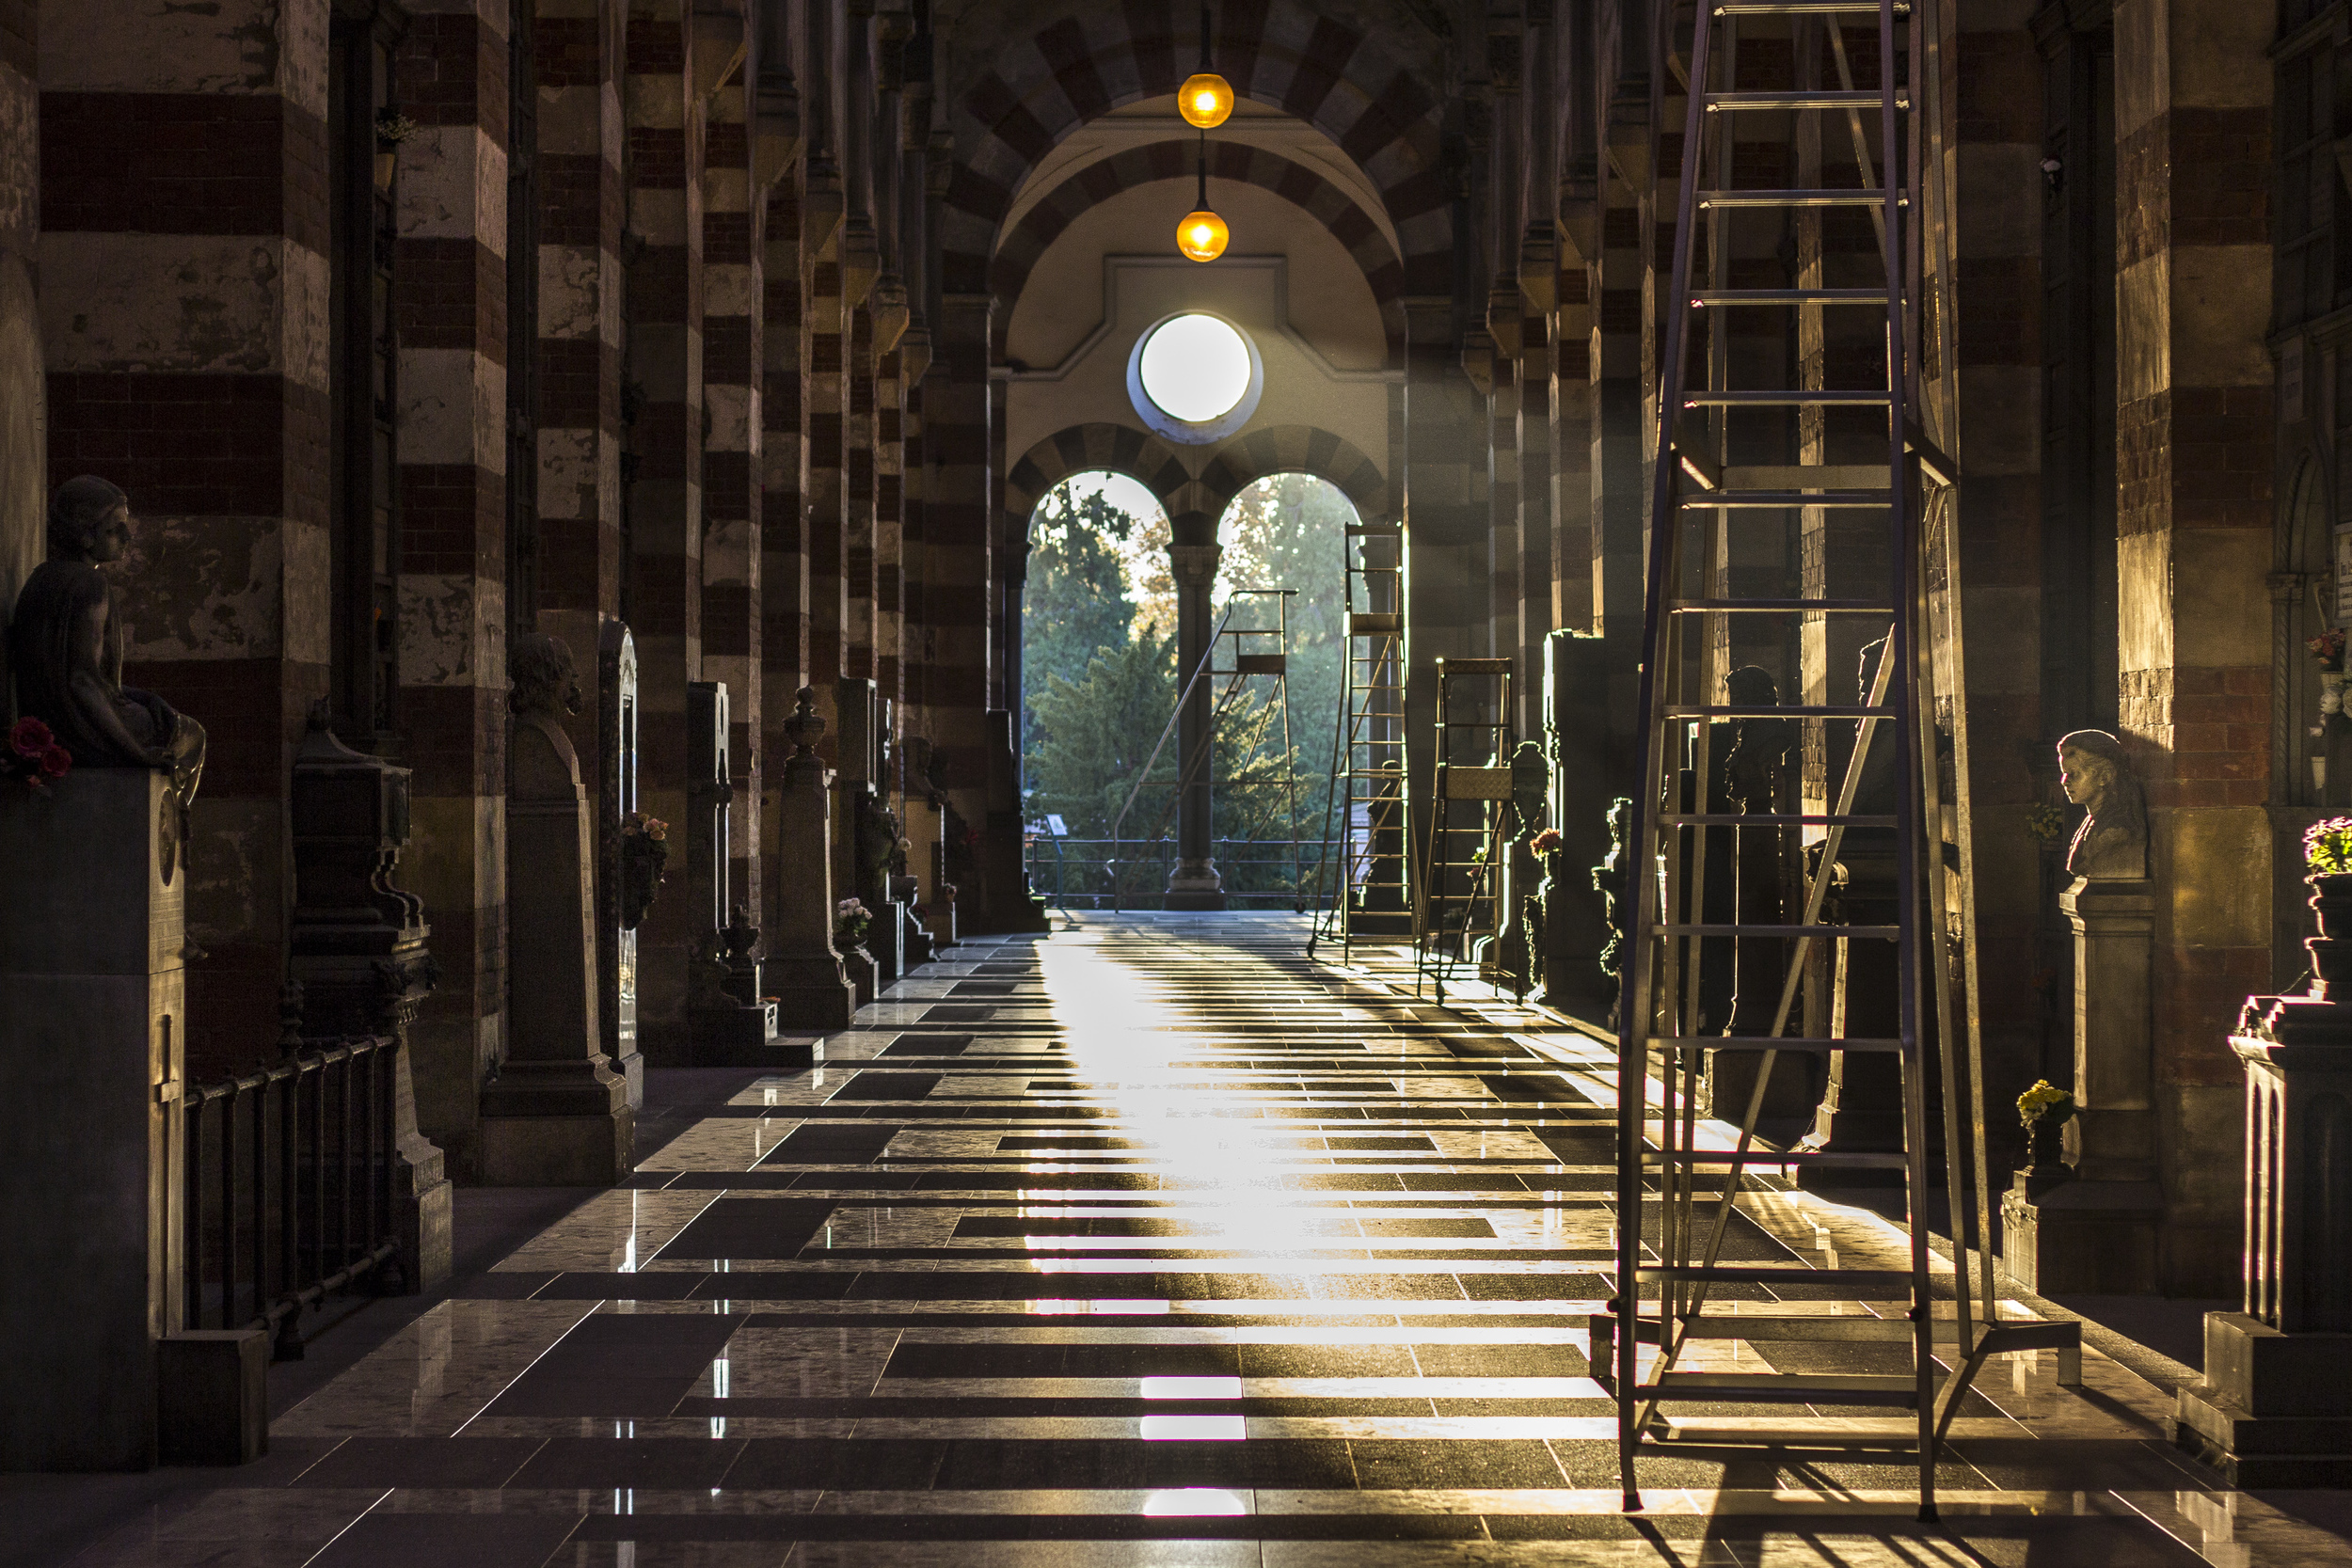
<point>1205,101</point>
<point>1202,235</point>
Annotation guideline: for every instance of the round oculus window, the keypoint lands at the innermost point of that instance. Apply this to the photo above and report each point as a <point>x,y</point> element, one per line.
<point>1195,367</point>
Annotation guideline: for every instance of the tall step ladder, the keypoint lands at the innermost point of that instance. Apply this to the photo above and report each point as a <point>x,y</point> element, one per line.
<point>1361,889</point>
<point>1253,665</point>
<point>1741,451</point>
<point>1464,862</point>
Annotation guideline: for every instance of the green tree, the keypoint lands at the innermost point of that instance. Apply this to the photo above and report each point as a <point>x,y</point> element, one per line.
<point>1075,603</point>
<point>1095,733</point>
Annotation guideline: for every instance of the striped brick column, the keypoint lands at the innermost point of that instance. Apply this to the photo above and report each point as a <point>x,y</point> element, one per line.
<point>827,392</point>
<point>2195,453</point>
<point>783,587</point>
<point>859,545</point>
<point>890,485</point>
<point>1573,599</point>
<point>663,379</point>
<point>1499,358</point>
<point>582,134</point>
<point>733,519</point>
<point>1532,440</point>
<point>450,295</point>
<point>1619,485</point>
<point>957,406</point>
<point>182,309</point>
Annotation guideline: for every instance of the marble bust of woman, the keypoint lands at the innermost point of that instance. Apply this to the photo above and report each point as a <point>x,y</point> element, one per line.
<point>2112,842</point>
<point>65,646</point>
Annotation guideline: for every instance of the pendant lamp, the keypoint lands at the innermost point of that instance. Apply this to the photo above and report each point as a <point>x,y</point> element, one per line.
<point>1205,101</point>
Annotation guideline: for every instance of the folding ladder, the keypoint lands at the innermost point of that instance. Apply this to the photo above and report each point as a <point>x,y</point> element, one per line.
<point>1361,889</point>
<point>1744,445</point>
<point>1464,862</point>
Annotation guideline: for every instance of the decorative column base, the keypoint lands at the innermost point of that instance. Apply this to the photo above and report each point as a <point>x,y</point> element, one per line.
<point>559,1124</point>
<point>803,974</point>
<point>2274,1409</point>
<point>2274,1405</point>
<point>2083,1238</point>
<point>1195,885</point>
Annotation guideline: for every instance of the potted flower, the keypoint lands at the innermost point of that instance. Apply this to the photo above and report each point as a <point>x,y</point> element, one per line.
<point>2327,647</point>
<point>2327,862</point>
<point>2044,1110</point>
<point>391,128</point>
<point>850,921</point>
<point>33,756</point>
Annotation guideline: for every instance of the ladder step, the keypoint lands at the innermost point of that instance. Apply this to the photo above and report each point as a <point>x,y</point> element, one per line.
<point>1806,7</point>
<point>1719,501</point>
<point>1791,296</point>
<point>1827,1432</point>
<point>1888,932</point>
<point>1773,820</point>
<point>1815,710</point>
<point>1826,1159</point>
<point>1784,606</point>
<point>1766,1043</point>
<point>1811,100</point>
<point>1803,476</point>
<point>1479,666</point>
<point>1788,1387</point>
<point>1825,198</point>
<point>1897,1280</point>
<point>1366,622</point>
<point>1374,530</point>
<point>1751,398</point>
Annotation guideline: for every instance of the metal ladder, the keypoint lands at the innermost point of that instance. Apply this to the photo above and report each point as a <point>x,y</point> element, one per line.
<point>1363,889</point>
<point>1464,862</point>
<point>1725,471</point>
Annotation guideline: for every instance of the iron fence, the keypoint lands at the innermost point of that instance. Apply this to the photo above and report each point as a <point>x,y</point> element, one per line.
<point>1130,874</point>
<point>290,1187</point>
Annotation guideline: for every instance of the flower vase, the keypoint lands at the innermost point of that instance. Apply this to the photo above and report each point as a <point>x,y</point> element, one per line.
<point>2331,949</point>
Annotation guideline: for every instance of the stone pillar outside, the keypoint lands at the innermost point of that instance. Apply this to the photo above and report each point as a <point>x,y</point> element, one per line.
<point>1195,884</point>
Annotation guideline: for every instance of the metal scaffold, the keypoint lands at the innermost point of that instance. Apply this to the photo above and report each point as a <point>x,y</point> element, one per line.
<point>1463,894</point>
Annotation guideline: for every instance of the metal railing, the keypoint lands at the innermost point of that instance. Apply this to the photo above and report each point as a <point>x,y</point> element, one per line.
<point>289,1191</point>
<point>1076,873</point>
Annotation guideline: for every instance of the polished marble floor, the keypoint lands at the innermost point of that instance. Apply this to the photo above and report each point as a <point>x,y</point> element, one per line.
<point>1149,1242</point>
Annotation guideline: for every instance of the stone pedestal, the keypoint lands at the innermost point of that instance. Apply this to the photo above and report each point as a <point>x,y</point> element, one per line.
<point>1004,877</point>
<point>2101,1234</point>
<point>357,946</point>
<point>1575,726</point>
<point>804,974</point>
<point>92,1030</point>
<point>556,1115</point>
<point>1862,1105</point>
<point>2275,1406</point>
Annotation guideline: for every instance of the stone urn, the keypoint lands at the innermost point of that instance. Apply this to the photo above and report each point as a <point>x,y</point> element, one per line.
<point>2331,950</point>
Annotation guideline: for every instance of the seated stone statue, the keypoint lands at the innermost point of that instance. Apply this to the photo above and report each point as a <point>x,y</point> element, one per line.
<point>65,646</point>
<point>2112,841</point>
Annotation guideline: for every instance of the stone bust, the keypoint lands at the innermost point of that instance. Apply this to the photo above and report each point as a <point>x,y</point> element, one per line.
<point>543,687</point>
<point>2112,842</point>
<point>65,646</point>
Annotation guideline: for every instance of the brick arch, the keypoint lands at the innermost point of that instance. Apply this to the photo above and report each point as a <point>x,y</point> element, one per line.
<point>1085,447</point>
<point>1021,250</point>
<point>1294,449</point>
<point>1375,93</point>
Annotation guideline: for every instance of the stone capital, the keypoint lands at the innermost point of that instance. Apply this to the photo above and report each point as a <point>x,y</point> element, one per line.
<point>1194,565</point>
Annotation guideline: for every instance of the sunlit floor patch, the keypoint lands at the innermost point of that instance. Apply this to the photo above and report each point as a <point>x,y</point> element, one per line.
<point>1194,1428</point>
<point>1192,1502</point>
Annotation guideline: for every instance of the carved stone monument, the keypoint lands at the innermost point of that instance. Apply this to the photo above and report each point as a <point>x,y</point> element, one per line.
<point>630,853</point>
<point>65,649</point>
<point>2275,1406</point>
<point>556,1114</point>
<point>804,974</point>
<point>730,1020</point>
<point>1576,730</point>
<point>1758,779</point>
<point>93,1014</point>
<point>2099,1233</point>
<point>356,947</point>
